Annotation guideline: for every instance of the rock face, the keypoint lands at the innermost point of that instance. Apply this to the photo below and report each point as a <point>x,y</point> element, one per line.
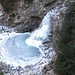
<point>1,10</point>
<point>29,26</point>
<point>26,14</point>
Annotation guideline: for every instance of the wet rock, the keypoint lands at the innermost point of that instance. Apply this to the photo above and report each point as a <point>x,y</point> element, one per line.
<point>56,22</point>
<point>31,25</point>
<point>23,11</point>
<point>49,2</point>
<point>1,12</point>
<point>4,28</point>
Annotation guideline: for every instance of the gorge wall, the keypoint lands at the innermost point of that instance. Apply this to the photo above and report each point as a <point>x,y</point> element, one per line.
<point>26,16</point>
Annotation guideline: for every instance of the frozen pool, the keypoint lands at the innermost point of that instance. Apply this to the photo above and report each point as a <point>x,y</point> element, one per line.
<point>16,49</point>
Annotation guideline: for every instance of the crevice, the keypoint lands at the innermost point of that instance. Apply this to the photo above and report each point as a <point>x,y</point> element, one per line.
<point>50,3</point>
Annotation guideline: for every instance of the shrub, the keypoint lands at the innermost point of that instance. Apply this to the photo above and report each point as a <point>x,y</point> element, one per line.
<point>65,62</point>
<point>7,5</point>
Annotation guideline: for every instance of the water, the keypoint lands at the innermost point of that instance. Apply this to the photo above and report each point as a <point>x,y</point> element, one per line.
<point>39,35</point>
<point>15,51</point>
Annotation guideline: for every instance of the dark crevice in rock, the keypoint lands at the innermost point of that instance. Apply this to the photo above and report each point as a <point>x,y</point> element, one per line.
<point>35,17</point>
<point>50,3</point>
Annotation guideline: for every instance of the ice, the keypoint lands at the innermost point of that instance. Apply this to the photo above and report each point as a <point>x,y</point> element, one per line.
<point>20,49</point>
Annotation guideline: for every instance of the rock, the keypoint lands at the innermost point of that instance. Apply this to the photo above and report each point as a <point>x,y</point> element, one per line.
<point>31,25</point>
<point>4,28</point>
<point>1,12</point>
<point>23,11</point>
<point>49,2</point>
<point>56,22</point>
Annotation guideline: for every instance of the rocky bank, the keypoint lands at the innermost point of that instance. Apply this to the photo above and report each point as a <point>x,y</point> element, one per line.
<point>27,16</point>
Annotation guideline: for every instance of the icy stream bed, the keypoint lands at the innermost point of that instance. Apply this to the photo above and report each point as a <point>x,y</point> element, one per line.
<point>15,50</point>
<point>22,49</point>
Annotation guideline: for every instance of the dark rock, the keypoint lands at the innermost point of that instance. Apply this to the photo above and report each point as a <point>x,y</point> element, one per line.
<point>50,3</point>
<point>31,25</point>
<point>1,73</point>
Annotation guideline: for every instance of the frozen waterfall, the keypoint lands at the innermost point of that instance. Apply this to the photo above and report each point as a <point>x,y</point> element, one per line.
<point>39,35</point>
<point>20,49</point>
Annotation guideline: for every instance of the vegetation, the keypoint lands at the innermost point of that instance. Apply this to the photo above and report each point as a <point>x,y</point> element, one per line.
<point>7,4</point>
<point>1,73</point>
<point>65,62</point>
